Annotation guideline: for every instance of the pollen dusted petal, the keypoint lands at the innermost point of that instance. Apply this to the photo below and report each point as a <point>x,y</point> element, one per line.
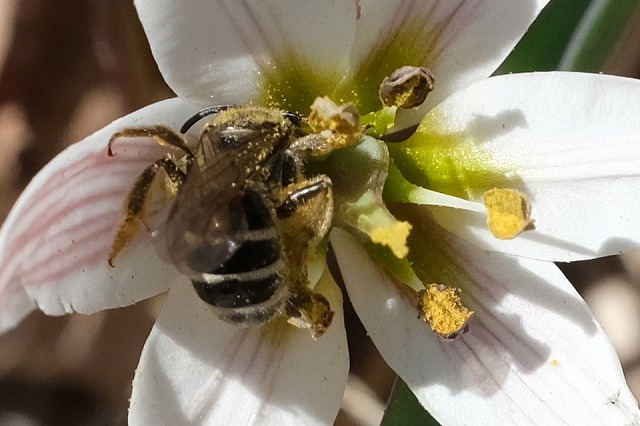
<point>533,352</point>
<point>221,50</point>
<point>569,141</point>
<point>54,243</point>
<point>196,369</point>
<point>461,41</point>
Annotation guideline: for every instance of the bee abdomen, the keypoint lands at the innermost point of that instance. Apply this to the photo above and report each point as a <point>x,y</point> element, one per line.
<point>249,287</point>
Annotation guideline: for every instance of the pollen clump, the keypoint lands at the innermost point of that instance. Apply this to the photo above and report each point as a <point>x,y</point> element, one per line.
<point>340,124</point>
<point>509,213</point>
<point>311,312</point>
<point>393,236</point>
<point>440,306</point>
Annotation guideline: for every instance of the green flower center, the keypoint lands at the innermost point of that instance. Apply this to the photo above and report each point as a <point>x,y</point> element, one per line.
<point>292,84</point>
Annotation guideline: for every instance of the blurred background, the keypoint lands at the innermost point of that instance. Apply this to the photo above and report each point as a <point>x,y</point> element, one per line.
<point>69,67</point>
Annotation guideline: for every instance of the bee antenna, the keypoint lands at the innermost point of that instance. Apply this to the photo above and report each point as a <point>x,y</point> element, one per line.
<point>201,114</point>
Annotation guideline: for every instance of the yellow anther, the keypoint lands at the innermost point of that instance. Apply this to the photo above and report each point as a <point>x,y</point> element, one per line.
<point>393,236</point>
<point>509,213</point>
<point>340,123</point>
<point>440,306</point>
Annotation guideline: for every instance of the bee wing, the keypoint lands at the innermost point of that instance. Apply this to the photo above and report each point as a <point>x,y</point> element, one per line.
<point>208,222</point>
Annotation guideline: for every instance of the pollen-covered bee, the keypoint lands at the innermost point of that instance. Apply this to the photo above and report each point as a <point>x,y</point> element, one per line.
<point>245,217</point>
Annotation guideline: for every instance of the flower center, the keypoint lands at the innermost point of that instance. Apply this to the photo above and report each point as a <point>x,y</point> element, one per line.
<point>358,173</point>
<point>435,166</point>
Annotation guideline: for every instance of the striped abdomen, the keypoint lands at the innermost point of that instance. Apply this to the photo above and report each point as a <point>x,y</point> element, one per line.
<point>248,288</point>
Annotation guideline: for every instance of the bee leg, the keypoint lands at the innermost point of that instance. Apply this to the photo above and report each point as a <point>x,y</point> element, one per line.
<point>163,135</point>
<point>137,200</point>
<point>308,208</point>
<point>304,218</point>
<point>293,162</point>
<point>306,309</point>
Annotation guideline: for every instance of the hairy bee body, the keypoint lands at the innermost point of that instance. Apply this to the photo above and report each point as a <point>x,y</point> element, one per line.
<point>244,216</point>
<point>220,230</point>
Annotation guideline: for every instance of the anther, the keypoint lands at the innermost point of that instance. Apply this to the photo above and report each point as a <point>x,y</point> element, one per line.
<point>406,87</point>
<point>509,213</point>
<point>339,124</point>
<point>440,306</point>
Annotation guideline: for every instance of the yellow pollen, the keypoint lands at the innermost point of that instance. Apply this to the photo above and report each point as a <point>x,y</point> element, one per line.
<point>394,237</point>
<point>440,306</point>
<point>340,124</point>
<point>509,213</point>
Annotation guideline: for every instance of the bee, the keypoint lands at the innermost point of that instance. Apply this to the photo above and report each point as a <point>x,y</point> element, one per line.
<point>245,218</point>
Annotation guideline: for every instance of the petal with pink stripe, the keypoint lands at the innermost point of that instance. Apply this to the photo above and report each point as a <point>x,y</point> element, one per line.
<point>196,369</point>
<point>533,354</point>
<point>461,41</point>
<point>223,49</point>
<point>54,243</point>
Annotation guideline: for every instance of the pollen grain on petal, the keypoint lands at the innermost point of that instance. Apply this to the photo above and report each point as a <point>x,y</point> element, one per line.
<point>509,212</point>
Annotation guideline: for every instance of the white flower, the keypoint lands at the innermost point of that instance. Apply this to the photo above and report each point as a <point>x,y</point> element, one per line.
<point>534,354</point>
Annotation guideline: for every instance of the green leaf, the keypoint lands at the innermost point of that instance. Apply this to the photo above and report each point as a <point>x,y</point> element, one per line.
<point>596,37</point>
<point>403,408</point>
<point>576,35</point>
<point>543,46</point>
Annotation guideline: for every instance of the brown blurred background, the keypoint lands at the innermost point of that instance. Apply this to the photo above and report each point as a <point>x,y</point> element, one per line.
<point>69,67</point>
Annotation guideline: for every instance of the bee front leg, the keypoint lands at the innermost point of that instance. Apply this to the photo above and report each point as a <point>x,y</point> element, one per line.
<point>303,218</point>
<point>163,135</point>
<point>139,197</point>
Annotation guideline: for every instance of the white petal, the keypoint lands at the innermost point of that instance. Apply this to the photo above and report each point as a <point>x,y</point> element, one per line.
<point>196,369</point>
<point>571,143</point>
<point>55,241</point>
<point>533,355</point>
<point>461,41</point>
<point>216,52</point>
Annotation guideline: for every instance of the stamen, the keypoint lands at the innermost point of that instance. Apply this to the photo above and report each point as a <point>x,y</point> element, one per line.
<point>401,190</point>
<point>377,123</point>
<point>440,306</point>
<point>509,213</point>
<point>406,87</point>
<point>370,216</point>
<point>433,198</point>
